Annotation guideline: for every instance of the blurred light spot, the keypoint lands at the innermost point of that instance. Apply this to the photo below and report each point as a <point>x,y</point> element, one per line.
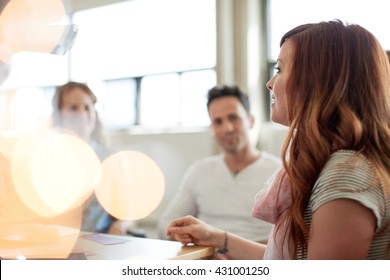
<point>25,233</point>
<point>7,145</point>
<point>54,172</point>
<point>40,237</point>
<point>132,185</point>
<point>27,25</point>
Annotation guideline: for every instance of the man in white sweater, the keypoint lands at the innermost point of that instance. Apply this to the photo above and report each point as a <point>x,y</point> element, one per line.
<point>221,189</point>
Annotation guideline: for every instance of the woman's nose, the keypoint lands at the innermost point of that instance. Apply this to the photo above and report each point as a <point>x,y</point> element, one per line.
<point>269,84</point>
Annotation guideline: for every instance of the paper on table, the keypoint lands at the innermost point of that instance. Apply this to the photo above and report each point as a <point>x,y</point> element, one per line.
<point>104,239</point>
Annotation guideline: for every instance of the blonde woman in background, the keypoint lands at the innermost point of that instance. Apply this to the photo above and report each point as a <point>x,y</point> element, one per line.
<point>74,111</point>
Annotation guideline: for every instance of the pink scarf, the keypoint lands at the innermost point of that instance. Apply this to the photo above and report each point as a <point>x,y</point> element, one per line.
<point>271,202</point>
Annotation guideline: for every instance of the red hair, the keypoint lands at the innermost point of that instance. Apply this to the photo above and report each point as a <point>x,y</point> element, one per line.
<point>338,99</point>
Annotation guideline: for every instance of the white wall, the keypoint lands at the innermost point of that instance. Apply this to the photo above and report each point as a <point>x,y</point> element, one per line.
<point>77,5</point>
<point>271,137</point>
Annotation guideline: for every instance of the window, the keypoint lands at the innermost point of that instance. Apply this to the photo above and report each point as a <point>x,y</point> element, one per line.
<point>144,59</point>
<point>177,99</point>
<point>284,15</point>
<point>117,103</point>
<point>169,47</point>
<point>195,85</point>
<point>26,108</point>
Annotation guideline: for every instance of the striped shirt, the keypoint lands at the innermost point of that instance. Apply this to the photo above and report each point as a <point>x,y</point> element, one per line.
<point>350,175</point>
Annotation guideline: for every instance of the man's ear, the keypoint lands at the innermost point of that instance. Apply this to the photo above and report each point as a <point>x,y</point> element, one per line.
<point>251,120</point>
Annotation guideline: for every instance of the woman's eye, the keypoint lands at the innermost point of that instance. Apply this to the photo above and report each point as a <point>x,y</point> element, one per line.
<point>277,68</point>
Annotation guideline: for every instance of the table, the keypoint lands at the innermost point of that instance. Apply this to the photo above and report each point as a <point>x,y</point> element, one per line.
<point>46,244</point>
<point>98,246</point>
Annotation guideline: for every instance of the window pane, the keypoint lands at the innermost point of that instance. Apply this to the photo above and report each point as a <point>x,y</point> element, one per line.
<point>37,69</point>
<point>142,37</point>
<point>32,109</point>
<point>118,110</point>
<point>195,86</point>
<point>160,101</point>
<point>286,14</point>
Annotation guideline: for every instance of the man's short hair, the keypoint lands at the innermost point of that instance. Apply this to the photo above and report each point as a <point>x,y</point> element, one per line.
<point>226,91</point>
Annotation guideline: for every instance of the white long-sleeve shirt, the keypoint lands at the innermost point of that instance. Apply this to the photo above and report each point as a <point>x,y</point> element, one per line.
<point>212,193</point>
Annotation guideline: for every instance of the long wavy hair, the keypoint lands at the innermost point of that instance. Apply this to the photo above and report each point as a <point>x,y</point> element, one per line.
<point>338,96</point>
<point>98,134</point>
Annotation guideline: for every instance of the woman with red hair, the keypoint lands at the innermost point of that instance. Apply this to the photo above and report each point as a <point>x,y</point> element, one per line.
<point>331,199</point>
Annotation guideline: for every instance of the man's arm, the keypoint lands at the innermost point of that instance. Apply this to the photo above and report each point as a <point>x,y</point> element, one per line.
<point>182,204</point>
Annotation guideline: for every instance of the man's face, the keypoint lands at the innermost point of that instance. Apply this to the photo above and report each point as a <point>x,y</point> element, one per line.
<point>230,123</point>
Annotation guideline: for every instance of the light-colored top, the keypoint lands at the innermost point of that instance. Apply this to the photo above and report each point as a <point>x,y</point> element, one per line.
<point>212,193</point>
<point>95,218</point>
<point>350,175</point>
<point>102,151</point>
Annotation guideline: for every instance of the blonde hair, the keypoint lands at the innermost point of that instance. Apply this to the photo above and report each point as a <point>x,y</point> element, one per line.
<point>98,134</point>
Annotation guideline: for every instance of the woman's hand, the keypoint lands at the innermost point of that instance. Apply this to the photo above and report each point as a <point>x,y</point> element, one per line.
<point>192,230</point>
